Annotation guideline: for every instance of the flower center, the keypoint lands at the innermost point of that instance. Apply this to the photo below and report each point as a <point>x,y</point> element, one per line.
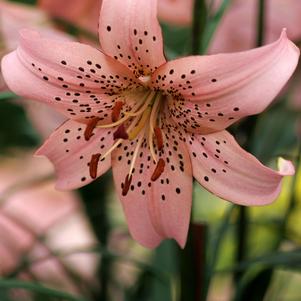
<point>141,122</point>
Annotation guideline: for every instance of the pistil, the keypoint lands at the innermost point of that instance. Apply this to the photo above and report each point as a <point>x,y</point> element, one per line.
<point>141,124</point>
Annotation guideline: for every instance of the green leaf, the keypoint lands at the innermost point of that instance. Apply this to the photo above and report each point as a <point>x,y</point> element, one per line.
<point>254,289</point>
<point>32,2</point>
<point>212,24</point>
<point>15,129</point>
<point>215,247</point>
<point>7,95</point>
<point>275,133</point>
<point>288,260</point>
<point>177,41</point>
<point>150,288</point>
<point>38,288</point>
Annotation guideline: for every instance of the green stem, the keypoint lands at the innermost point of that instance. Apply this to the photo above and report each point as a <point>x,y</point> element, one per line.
<point>199,26</point>
<point>215,249</point>
<point>248,126</point>
<point>193,260</point>
<point>95,198</point>
<point>260,23</point>
<point>242,239</point>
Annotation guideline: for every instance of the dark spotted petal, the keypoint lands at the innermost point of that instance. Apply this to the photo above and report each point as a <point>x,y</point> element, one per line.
<point>211,92</point>
<point>76,79</point>
<point>129,31</point>
<point>71,154</point>
<point>158,209</point>
<point>224,168</point>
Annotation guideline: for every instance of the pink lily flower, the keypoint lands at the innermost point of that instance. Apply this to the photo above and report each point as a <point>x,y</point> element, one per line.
<point>158,124</point>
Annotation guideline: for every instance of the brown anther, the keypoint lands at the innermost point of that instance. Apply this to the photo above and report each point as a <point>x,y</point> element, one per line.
<point>127,184</point>
<point>159,170</point>
<point>93,165</point>
<point>116,110</point>
<point>121,133</point>
<point>90,127</point>
<point>159,137</point>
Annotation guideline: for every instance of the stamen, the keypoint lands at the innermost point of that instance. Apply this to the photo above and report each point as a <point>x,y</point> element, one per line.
<point>151,147</point>
<point>127,184</point>
<point>121,133</point>
<point>90,127</point>
<point>108,152</point>
<point>116,110</point>
<point>159,137</point>
<point>141,124</point>
<point>115,145</point>
<point>154,114</point>
<point>136,152</point>
<point>158,170</point>
<point>93,165</point>
<point>125,117</point>
<point>152,122</point>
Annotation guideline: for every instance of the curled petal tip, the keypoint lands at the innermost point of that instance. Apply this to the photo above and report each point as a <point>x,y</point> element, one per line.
<point>283,32</point>
<point>286,168</point>
<point>283,36</point>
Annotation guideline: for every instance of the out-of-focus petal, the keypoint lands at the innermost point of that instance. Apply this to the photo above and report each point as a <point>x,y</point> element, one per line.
<point>129,31</point>
<point>224,168</point>
<point>212,92</point>
<point>279,14</point>
<point>177,12</point>
<point>71,154</point>
<point>82,13</point>
<point>44,119</point>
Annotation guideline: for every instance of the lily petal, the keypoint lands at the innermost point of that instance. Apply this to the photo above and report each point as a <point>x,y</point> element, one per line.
<point>83,13</point>
<point>225,169</point>
<point>71,154</point>
<point>220,89</point>
<point>129,31</point>
<point>76,79</point>
<point>177,12</point>
<point>156,209</point>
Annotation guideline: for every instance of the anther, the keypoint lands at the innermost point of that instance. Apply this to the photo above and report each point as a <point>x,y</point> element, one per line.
<point>90,127</point>
<point>93,165</point>
<point>158,170</point>
<point>127,184</point>
<point>121,133</point>
<point>159,137</point>
<point>116,110</point>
